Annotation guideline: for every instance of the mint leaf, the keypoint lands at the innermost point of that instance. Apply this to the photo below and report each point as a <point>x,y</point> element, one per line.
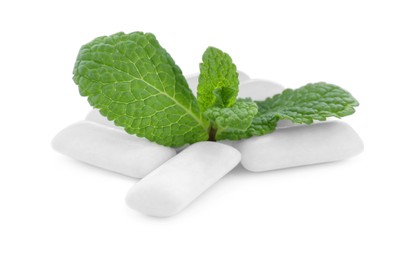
<point>136,83</point>
<point>262,123</point>
<point>304,105</point>
<point>218,81</point>
<point>312,102</point>
<point>237,117</point>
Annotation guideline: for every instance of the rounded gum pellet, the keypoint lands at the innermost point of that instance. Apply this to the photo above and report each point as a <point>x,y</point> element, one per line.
<point>175,184</point>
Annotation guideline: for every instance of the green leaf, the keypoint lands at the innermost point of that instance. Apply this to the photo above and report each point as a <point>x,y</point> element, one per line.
<point>136,83</point>
<point>218,81</point>
<point>262,123</point>
<point>238,117</point>
<point>304,105</point>
<point>316,101</point>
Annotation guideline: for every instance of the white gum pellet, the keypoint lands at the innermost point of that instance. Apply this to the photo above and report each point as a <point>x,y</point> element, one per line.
<point>175,184</point>
<point>111,149</point>
<point>300,145</point>
<point>95,116</point>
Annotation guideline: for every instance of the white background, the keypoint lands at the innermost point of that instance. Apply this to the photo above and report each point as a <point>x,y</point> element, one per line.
<point>53,207</point>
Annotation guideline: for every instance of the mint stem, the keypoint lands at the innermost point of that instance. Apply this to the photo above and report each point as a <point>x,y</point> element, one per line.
<point>212,134</point>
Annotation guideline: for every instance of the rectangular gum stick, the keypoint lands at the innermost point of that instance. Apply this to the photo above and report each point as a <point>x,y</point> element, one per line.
<point>300,145</point>
<point>111,149</point>
<point>175,184</point>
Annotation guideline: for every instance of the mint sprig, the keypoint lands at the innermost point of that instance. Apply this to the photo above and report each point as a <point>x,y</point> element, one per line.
<point>134,82</point>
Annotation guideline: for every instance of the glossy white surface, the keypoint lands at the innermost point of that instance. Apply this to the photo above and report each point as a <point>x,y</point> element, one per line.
<point>259,89</point>
<point>111,149</point>
<point>175,184</point>
<point>300,145</point>
<point>95,116</point>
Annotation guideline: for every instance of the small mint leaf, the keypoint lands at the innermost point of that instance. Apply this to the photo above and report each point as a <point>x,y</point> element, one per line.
<point>262,123</point>
<point>218,81</point>
<point>316,101</point>
<point>237,117</point>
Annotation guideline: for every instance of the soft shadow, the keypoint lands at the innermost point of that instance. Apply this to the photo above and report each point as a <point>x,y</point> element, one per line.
<point>241,172</point>
<point>196,206</point>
